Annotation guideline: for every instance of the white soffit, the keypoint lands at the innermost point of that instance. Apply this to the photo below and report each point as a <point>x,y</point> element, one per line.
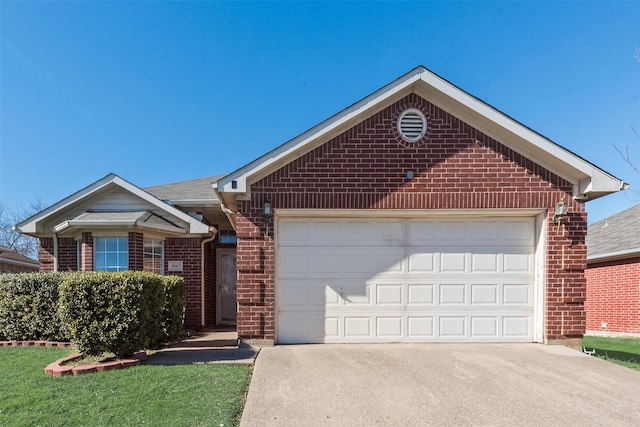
<point>587,178</point>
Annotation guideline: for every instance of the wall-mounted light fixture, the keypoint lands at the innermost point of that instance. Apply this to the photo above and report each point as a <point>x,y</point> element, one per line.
<point>267,212</point>
<point>561,211</point>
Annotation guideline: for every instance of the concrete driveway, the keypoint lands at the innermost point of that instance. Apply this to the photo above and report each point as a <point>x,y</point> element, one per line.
<point>439,384</point>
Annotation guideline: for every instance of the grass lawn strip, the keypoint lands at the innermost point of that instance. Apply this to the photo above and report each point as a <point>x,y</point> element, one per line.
<point>189,395</point>
<point>623,351</point>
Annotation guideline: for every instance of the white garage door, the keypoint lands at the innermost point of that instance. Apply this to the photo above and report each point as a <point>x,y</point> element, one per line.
<point>412,280</point>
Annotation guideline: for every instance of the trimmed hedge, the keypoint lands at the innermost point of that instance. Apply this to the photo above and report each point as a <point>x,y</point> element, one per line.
<point>112,312</point>
<point>28,307</point>
<point>119,313</point>
<point>175,300</point>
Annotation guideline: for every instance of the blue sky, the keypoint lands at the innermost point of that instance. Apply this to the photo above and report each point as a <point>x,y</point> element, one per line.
<point>160,92</point>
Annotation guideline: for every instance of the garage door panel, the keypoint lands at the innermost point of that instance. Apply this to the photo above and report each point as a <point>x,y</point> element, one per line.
<point>484,326</point>
<point>453,294</point>
<point>420,294</point>
<point>452,232</point>
<point>422,262</point>
<point>517,294</point>
<point>357,327</point>
<point>453,262</point>
<point>389,294</point>
<point>420,327</point>
<point>518,263</point>
<point>452,326</point>
<point>518,231</point>
<point>422,232</point>
<point>421,280</point>
<point>484,294</point>
<point>516,326</point>
<point>485,263</point>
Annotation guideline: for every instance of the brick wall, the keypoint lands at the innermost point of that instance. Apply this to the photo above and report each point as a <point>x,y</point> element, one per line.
<point>87,251</point>
<point>187,250</point>
<point>67,254</point>
<point>613,296</point>
<point>135,243</point>
<point>455,167</point>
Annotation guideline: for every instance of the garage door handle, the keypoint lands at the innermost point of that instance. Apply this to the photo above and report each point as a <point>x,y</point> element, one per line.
<point>344,297</point>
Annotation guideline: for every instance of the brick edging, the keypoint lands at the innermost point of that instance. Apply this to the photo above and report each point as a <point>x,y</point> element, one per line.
<point>58,368</point>
<point>15,343</point>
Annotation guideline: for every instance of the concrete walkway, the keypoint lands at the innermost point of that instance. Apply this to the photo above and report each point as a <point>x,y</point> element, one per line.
<point>206,347</point>
<point>440,385</point>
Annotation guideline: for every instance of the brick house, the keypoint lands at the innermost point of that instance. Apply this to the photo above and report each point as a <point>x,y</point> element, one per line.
<point>418,214</point>
<point>613,275</point>
<point>13,262</point>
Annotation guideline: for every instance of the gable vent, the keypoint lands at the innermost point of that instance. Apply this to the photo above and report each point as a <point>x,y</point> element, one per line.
<point>412,125</point>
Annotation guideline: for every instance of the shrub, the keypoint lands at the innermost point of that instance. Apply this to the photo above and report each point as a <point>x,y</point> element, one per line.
<point>173,309</point>
<point>112,312</point>
<point>28,307</point>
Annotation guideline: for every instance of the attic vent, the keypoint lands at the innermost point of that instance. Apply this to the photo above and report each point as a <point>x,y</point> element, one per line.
<point>412,125</point>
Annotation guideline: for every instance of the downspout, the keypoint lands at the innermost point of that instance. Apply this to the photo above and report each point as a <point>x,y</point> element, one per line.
<point>212,230</point>
<point>55,252</point>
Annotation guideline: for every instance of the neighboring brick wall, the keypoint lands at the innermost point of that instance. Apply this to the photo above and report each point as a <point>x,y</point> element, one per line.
<point>67,254</point>
<point>187,250</point>
<point>613,296</point>
<point>7,267</point>
<point>457,168</point>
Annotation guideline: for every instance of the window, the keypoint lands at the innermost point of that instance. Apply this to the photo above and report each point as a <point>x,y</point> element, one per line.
<point>111,254</point>
<point>153,256</point>
<point>228,236</point>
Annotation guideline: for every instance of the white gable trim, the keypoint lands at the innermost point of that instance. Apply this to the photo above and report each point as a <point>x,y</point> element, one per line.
<point>29,226</point>
<point>589,180</point>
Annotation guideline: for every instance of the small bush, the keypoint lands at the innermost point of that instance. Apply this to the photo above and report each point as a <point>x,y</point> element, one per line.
<point>112,312</point>
<point>28,307</point>
<point>173,309</point>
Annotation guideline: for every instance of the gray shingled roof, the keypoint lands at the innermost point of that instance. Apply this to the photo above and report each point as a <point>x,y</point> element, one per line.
<point>10,256</point>
<point>195,189</point>
<point>617,236</point>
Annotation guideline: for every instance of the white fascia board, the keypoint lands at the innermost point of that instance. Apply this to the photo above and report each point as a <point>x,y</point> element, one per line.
<point>92,224</point>
<point>29,226</point>
<point>319,133</point>
<point>454,100</point>
<point>529,143</point>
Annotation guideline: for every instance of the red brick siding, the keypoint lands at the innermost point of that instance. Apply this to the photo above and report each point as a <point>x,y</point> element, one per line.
<point>613,296</point>
<point>187,250</point>
<point>136,251</point>
<point>87,251</point>
<point>457,168</point>
<point>67,254</point>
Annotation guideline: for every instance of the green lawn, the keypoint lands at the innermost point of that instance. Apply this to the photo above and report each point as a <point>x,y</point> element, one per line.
<point>623,351</point>
<point>190,395</point>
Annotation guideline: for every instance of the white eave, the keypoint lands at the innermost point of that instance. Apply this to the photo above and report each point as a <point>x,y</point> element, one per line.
<point>30,225</point>
<point>588,180</point>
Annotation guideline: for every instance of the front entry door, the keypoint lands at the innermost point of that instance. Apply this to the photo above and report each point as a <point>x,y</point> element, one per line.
<point>226,287</point>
